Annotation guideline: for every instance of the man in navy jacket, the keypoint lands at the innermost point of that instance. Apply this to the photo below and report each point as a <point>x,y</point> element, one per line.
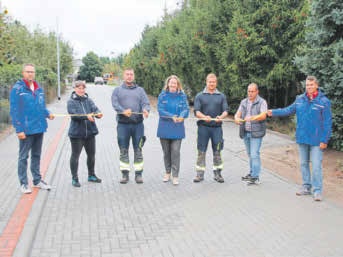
<point>29,113</point>
<point>313,131</point>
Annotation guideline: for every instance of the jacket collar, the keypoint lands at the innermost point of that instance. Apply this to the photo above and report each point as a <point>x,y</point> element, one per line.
<point>35,84</point>
<point>205,91</point>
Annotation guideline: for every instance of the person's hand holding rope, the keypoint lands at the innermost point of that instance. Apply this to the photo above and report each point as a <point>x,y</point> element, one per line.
<point>145,113</point>
<point>127,112</point>
<point>177,119</point>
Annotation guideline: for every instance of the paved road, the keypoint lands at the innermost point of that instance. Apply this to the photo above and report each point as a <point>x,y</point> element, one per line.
<point>159,219</point>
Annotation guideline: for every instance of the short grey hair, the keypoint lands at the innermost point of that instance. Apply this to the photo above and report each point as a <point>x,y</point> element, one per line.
<point>312,78</point>
<point>28,64</point>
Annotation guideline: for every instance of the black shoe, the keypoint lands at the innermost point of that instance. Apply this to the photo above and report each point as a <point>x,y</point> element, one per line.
<point>94,179</point>
<point>246,177</point>
<point>218,176</point>
<point>125,178</point>
<point>253,181</point>
<point>75,183</point>
<point>138,178</point>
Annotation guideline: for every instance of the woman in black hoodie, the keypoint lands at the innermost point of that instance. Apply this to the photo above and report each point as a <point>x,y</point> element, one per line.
<point>82,131</point>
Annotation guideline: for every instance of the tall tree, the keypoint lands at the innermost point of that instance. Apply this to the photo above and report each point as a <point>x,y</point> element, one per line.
<point>91,67</point>
<point>323,57</point>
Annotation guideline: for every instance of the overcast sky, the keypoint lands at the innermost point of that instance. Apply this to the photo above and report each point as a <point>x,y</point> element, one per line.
<point>107,27</point>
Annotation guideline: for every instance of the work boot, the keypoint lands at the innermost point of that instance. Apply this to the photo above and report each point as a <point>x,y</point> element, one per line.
<point>199,177</point>
<point>218,176</point>
<point>139,178</point>
<point>125,177</point>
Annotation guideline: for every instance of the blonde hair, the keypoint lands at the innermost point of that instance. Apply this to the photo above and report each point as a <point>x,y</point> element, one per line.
<point>179,85</point>
<point>211,75</point>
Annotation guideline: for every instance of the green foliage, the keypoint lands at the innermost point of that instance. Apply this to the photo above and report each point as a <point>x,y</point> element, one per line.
<point>23,46</point>
<point>9,74</point>
<point>322,56</point>
<point>241,41</point>
<point>92,67</point>
<point>6,41</point>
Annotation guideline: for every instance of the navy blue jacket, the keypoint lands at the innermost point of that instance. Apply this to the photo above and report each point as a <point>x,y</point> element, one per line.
<point>80,126</point>
<point>169,105</point>
<point>212,105</point>
<point>27,109</point>
<point>314,119</point>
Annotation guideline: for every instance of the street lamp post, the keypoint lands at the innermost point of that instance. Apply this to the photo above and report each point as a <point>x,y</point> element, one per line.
<point>58,64</point>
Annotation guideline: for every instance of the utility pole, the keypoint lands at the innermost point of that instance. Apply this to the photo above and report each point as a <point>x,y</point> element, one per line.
<point>58,63</point>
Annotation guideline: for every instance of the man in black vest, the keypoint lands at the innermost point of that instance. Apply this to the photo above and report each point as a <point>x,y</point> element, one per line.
<point>251,116</point>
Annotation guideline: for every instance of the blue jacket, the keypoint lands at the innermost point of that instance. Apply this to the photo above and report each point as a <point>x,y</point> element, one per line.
<point>313,118</point>
<point>169,105</point>
<point>80,126</point>
<point>27,109</point>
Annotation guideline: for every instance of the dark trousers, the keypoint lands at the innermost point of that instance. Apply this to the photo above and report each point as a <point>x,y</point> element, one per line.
<point>76,147</point>
<point>205,134</point>
<point>31,143</point>
<point>127,131</point>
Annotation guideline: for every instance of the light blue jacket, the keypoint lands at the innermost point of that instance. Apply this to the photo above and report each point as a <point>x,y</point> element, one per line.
<point>27,109</point>
<point>314,119</point>
<point>169,105</point>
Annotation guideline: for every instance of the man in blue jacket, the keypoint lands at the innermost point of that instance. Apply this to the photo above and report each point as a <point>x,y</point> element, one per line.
<point>29,113</point>
<point>131,103</point>
<point>313,131</point>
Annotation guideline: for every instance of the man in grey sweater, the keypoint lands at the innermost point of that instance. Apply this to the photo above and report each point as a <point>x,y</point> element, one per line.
<point>131,104</point>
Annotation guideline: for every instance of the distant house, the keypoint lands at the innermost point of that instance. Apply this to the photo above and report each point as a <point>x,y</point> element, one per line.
<point>77,63</point>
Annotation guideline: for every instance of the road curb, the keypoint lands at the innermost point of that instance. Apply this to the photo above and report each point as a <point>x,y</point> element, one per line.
<point>27,237</point>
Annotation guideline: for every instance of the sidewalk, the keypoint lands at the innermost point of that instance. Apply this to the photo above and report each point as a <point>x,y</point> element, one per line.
<point>159,219</point>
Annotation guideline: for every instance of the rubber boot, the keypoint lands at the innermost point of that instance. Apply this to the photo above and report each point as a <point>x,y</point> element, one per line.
<point>218,176</point>
<point>125,177</point>
<point>138,177</point>
<point>199,177</point>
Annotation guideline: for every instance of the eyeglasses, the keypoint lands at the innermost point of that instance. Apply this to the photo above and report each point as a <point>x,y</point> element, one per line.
<point>28,71</point>
<point>250,91</point>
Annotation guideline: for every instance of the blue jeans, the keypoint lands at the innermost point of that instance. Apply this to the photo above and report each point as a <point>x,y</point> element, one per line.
<point>314,154</point>
<point>33,143</point>
<point>253,146</point>
<point>126,131</point>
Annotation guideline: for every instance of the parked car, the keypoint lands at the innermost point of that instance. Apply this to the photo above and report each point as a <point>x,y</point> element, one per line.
<point>98,81</point>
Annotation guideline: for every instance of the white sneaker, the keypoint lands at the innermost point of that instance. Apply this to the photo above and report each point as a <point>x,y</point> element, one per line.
<point>166,177</point>
<point>175,181</point>
<point>25,189</point>
<point>43,185</point>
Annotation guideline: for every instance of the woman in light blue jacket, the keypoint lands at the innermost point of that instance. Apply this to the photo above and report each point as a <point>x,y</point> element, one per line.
<point>173,109</point>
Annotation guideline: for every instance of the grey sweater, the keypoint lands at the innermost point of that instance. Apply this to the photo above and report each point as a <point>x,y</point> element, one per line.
<point>130,97</point>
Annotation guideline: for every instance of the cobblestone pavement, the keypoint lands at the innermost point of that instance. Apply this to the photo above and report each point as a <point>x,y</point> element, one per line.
<point>159,219</point>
